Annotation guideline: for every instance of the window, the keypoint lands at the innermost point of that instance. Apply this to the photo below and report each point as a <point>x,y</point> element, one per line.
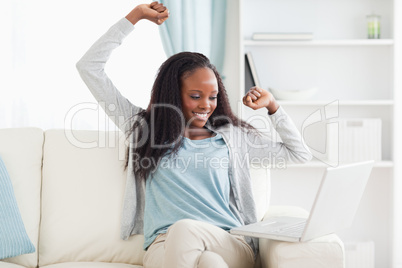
<point>41,44</point>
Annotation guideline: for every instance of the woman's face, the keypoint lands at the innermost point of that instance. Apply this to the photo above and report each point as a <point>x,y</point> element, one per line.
<point>199,92</point>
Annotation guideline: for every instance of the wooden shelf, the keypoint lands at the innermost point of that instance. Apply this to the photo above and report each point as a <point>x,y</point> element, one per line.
<point>346,42</point>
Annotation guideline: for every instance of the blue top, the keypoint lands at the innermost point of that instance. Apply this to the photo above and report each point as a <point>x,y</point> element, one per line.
<point>192,185</point>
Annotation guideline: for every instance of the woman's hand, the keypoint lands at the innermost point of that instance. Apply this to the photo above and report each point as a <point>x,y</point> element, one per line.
<point>155,12</point>
<point>257,98</point>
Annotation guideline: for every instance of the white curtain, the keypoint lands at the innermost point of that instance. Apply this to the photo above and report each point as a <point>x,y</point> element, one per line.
<point>40,43</point>
<point>196,25</point>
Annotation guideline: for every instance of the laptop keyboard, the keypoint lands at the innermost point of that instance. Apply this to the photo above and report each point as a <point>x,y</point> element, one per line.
<point>295,230</point>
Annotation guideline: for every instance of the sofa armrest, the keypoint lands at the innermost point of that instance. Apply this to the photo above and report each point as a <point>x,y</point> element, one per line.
<point>326,251</point>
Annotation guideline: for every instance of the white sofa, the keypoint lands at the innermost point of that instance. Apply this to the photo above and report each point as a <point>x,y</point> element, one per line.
<point>69,188</point>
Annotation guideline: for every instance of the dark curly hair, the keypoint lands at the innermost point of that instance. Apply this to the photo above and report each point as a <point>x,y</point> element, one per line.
<point>159,124</point>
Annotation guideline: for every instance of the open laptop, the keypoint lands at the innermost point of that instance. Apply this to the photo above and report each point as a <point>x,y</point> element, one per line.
<point>334,208</point>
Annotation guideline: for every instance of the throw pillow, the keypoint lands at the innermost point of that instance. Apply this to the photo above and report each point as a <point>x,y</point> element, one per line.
<point>14,239</point>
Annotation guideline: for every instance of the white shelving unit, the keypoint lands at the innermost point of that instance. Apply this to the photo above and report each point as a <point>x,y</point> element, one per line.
<point>318,164</point>
<point>341,102</point>
<point>351,42</point>
<point>362,75</point>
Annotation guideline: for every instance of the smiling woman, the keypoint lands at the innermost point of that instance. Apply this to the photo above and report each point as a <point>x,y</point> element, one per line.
<point>39,47</point>
<point>185,212</point>
<point>199,93</point>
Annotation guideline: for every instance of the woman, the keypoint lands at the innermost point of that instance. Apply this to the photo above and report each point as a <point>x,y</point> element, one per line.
<point>188,182</point>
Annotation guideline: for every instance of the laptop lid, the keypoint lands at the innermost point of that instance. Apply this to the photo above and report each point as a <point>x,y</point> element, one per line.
<point>337,200</point>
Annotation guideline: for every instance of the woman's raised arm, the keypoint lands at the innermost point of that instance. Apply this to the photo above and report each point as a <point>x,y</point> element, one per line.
<point>91,66</point>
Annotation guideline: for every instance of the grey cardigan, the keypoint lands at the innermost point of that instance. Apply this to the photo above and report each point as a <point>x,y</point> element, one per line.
<point>244,146</point>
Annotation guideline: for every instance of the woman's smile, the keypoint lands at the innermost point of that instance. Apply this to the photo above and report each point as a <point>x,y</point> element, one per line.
<point>201,116</point>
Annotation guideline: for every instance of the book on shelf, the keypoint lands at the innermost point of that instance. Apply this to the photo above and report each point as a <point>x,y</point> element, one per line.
<point>282,36</point>
<point>250,73</point>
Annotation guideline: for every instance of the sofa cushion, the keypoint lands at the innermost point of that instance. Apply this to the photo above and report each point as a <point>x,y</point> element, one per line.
<point>14,240</point>
<point>91,265</point>
<point>326,251</point>
<point>21,150</point>
<point>82,196</point>
<point>10,265</point>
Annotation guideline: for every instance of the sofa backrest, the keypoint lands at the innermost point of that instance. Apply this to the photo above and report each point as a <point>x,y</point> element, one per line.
<point>83,181</point>
<point>82,195</point>
<point>261,184</point>
<point>21,151</point>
